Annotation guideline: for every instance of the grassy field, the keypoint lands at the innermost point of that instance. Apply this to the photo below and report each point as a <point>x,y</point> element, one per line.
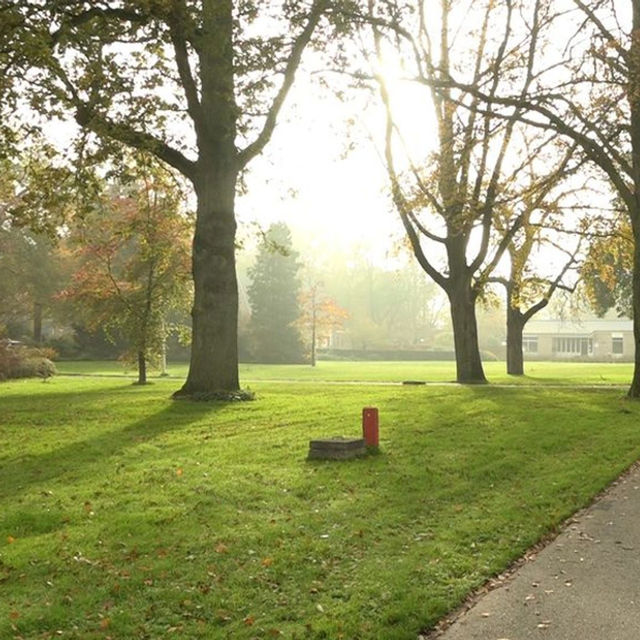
<point>537,372</point>
<point>125,515</point>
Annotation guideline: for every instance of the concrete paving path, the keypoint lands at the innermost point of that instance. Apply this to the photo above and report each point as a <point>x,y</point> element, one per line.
<point>585,585</point>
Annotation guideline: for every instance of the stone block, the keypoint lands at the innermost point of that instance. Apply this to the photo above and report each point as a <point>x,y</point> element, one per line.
<point>337,448</point>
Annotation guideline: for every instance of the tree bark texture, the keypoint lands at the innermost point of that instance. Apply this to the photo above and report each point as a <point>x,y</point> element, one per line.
<point>214,350</point>
<point>465,335</point>
<point>515,329</point>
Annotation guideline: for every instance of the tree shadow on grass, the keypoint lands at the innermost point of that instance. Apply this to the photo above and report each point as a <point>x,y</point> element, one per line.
<point>18,473</point>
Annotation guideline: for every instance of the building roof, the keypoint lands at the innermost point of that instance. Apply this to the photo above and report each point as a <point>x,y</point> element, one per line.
<point>576,327</point>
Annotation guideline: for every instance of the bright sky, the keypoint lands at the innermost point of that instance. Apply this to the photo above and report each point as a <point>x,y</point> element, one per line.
<point>305,179</point>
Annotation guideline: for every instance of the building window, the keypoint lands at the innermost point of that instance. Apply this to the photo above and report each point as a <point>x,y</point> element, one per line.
<point>571,346</point>
<point>617,345</point>
<point>530,344</point>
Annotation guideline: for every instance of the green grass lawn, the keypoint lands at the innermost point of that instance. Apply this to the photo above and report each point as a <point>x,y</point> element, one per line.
<point>537,372</point>
<point>126,515</point>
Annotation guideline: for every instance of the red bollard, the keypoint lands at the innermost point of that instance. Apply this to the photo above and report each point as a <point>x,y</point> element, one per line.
<point>370,426</point>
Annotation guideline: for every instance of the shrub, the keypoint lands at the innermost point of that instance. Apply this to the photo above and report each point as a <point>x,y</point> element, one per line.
<point>25,362</point>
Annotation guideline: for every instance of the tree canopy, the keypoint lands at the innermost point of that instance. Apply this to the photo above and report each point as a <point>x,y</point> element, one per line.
<point>273,295</point>
<point>133,270</point>
<point>200,85</point>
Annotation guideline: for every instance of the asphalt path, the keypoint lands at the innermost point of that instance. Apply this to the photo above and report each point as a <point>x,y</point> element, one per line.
<point>585,585</point>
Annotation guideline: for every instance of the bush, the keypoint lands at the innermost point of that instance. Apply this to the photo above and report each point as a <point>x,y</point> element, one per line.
<point>25,362</point>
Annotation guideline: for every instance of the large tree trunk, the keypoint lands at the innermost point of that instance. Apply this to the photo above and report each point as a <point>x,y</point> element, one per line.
<point>214,350</point>
<point>515,328</point>
<point>213,370</point>
<point>465,335</point>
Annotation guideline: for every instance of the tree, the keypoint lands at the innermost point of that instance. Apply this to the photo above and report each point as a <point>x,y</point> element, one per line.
<point>273,296</point>
<point>607,272</point>
<point>528,293</point>
<point>134,253</point>
<point>36,193</point>
<point>36,198</point>
<point>320,315</point>
<point>33,268</point>
<point>589,92</point>
<point>197,84</point>
<point>449,201</point>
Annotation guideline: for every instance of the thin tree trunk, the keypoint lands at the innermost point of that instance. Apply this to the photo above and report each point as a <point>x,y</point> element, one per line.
<point>37,322</point>
<point>515,329</point>
<point>465,336</point>
<point>163,350</point>
<point>313,334</point>
<point>214,352</point>
<point>142,367</point>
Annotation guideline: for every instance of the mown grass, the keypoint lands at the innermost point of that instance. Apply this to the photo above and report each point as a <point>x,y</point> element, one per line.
<point>126,515</point>
<point>570,373</point>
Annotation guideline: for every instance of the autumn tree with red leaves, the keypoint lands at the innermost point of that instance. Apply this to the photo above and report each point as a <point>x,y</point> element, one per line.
<point>320,316</point>
<point>135,264</point>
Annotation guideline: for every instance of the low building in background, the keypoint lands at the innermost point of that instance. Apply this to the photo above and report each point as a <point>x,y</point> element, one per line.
<point>599,340</point>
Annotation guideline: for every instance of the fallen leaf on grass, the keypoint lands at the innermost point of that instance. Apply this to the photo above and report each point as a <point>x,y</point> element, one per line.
<point>14,615</point>
<point>104,623</point>
<point>267,562</point>
<point>249,620</point>
<point>179,471</point>
<point>222,548</point>
<point>223,616</point>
